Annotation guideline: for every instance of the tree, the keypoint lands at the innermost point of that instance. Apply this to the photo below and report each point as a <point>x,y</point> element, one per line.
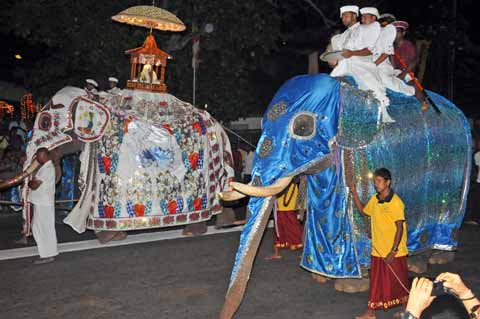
<point>80,41</point>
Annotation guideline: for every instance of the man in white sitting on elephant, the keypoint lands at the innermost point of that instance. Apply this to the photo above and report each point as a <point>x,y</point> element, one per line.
<point>381,56</point>
<point>42,196</point>
<point>91,89</point>
<point>383,52</point>
<point>114,89</point>
<point>357,44</point>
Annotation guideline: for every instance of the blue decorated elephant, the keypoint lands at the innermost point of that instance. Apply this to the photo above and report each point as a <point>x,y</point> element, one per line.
<point>329,131</point>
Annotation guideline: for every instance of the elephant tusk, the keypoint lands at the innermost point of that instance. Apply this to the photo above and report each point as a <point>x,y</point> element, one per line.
<point>230,196</point>
<point>20,177</point>
<point>263,191</point>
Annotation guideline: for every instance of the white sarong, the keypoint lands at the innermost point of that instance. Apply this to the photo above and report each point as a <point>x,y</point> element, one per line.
<point>43,200</point>
<point>43,229</point>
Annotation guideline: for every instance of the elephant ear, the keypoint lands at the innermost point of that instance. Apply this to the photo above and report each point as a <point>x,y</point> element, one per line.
<point>91,119</point>
<point>249,242</point>
<point>359,120</point>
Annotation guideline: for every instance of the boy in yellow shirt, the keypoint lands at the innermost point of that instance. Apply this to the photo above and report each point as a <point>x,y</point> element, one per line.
<point>388,269</point>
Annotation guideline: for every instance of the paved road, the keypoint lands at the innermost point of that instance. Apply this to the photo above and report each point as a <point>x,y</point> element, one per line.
<point>188,278</point>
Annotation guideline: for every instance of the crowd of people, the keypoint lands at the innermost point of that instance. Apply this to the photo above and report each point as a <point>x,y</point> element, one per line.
<point>13,139</point>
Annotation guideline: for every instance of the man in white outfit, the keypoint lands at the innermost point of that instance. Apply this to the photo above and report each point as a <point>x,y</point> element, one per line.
<point>114,89</point>
<point>383,51</point>
<point>381,56</point>
<point>358,43</point>
<point>42,196</point>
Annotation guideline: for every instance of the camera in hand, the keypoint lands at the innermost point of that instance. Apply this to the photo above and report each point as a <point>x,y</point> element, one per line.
<point>439,289</point>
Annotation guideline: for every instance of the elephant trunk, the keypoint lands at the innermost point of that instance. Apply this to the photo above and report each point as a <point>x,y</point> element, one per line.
<point>263,191</point>
<point>20,177</point>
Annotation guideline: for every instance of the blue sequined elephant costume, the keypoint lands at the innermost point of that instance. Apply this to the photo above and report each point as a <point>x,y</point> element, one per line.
<point>327,129</point>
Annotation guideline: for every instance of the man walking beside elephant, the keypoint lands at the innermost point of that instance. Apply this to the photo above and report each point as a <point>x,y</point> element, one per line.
<point>388,269</point>
<point>42,196</point>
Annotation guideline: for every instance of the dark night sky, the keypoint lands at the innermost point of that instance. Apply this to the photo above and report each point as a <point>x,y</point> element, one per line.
<point>414,11</point>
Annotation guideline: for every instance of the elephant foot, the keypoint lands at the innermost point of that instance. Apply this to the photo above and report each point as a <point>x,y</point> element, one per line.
<point>441,257</point>
<point>195,229</point>
<point>351,285</point>
<point>225,219</point>
<point>418,264</point>
<point>120,235</point>
<point>105,236</point>
<point>320,279</point>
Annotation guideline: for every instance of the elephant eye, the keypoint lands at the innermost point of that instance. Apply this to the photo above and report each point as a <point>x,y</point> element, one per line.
<point>302,126</point>
<point>44,121</point>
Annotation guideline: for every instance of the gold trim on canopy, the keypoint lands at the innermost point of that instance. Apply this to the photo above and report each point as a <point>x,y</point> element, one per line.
<point>150,17</point>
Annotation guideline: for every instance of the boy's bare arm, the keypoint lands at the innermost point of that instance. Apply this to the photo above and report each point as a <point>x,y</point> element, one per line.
<point>356,198</point>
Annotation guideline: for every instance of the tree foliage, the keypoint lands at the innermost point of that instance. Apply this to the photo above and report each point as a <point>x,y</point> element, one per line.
<point>79,41</point>
<point>255,45</point>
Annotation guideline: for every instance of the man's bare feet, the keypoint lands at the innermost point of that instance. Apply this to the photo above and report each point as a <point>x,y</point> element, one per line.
<point>369,314</point>
<point>424,106</point>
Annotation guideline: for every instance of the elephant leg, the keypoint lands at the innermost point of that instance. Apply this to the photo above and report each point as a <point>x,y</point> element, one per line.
<point>441,257</point>
<point>225,218</point>
<point>105,236</point>
<point>195,229</point>
<point>418,263</point>
<point>352,285</point>
<point>319,278</point>
<point>120,235</point>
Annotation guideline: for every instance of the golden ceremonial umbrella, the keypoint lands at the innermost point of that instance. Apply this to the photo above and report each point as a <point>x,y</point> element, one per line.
<point>150,17</point>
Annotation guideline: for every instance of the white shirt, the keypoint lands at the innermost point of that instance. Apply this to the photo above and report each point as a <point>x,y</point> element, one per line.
<point>384,44</point>
<point>476,157</point>
<point>45,193</point>
<point>338,41</point>
<point>115,90</point>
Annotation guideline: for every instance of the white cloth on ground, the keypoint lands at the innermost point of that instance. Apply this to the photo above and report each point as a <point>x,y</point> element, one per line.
<point>362,68</point>
<point>43,200</point>
<point>388,74</point>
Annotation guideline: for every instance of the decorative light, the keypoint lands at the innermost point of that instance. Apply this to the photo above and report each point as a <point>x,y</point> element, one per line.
<point>208,28</point>
<point>18,56</point>
<point>370,175</point>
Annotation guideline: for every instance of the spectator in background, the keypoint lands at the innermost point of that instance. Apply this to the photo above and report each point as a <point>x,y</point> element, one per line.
<point>248,165</point>
<point>473,211</point>
<point>4,143</point>
<point>237,163</point>
<point>18,133</point>
<point>288,230</point>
